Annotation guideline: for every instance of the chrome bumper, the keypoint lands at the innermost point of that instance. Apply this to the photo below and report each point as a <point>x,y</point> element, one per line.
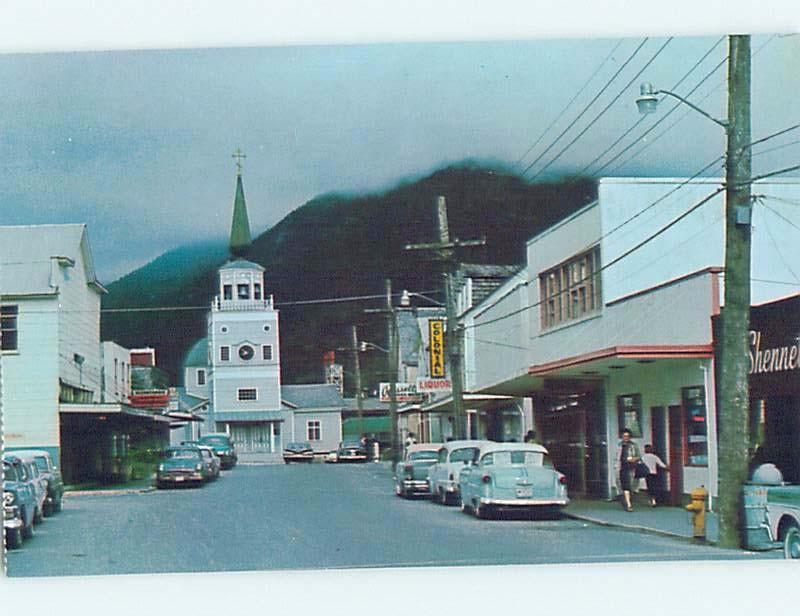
<point>11,518</point>
<point>524,502</point>
<point>416,484</point>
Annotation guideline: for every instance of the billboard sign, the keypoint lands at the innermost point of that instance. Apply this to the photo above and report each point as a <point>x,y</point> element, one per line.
<point>404,392</point>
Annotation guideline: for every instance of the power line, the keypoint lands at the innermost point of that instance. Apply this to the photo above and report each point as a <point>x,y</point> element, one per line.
<point>777,147</point>
<point>605,109</point>
<point>586,108</point>
<point>567,106</point>
<point>644,117</point>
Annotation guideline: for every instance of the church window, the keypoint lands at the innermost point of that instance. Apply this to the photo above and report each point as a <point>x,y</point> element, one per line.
<point>243,291</point>
<point>256,291</point>
<point>266,328</point>
<point>201,377</point>
<point>224,353</point>
<point>227,291</point>
<point>313,430</point>
<point>266,352</point>
<point>245,394</point>
<point>246,352</point>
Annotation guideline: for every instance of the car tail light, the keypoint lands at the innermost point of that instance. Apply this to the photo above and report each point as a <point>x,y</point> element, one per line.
<point>562,480</point>
<point>486,479</point>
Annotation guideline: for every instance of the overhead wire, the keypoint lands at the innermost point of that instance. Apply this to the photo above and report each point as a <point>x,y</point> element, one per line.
<point>569,104</point>
<point>644,117</point>
<point>588,105</point>
<point>604,110</point>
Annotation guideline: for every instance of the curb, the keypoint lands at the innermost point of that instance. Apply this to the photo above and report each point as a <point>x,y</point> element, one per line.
<point>644,529</point>
<point>110,492</point>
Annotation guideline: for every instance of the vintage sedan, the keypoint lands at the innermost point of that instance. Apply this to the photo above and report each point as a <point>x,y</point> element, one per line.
<point>298,452</point>
<point>19,502</point>
<point>411,473</point>
<point>49,474</point>
<point>181,465</point>
<point>223,446</point>
<point>351,451</point>
<point>39,484</point>
<point>453,456</point>
<point>512,476</point>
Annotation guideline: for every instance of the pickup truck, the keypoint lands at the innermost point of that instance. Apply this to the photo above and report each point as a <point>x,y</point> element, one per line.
<point>772,512</point>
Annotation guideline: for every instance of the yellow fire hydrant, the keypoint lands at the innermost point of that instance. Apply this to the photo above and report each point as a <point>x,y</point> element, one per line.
<point>698,509</point>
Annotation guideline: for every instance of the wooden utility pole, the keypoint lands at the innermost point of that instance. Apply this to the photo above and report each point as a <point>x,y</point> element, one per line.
<point>734,394</point>
<point>445,250</point>
<point>394,351</point>
<point>357,370</point>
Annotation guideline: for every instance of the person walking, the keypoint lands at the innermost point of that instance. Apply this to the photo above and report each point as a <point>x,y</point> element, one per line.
<point>530,436</point>
<point>627,457</point>
<point>653,463</point>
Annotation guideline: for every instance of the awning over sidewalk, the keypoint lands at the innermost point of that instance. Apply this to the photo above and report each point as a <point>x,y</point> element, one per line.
<point>443,405</point>
<point>234,416</point>
<point>111,409</point>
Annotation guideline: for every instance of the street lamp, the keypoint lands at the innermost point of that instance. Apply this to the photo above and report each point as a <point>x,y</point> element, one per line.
<point>733,387</point>
<point>365,346</point>
<point>405,298</point>
<point>648,103</point>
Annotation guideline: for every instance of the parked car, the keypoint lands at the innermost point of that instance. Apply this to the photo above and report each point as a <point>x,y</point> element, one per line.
<point>223,446</point>
<point>50,474</point>
<point>443,474</point>
<point>332,457</point>
<point>212,461</point>
<point>19,502</point>
<point>298,452</point>
<point>411,473</point>
<point>39,484</point>
<point>351,451</point>
<point>511,476</point>
<point>772,512</point>
<point>181,465</point>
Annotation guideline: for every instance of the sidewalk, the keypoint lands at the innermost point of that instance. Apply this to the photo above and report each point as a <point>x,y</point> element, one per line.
<point>669,521</point>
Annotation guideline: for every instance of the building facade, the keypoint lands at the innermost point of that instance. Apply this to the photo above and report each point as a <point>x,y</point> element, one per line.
<point>611,326</point>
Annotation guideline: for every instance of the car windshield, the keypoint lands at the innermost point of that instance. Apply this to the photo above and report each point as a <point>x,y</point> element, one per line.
<point>183,454</point>
<point>463,455</point>
<point>218,441</point>
<point>423,455</point>
<point>41,462</point>
<point>505,458</point>
<point>351,445</point>
<point>298,446</point>
<point>10,472</point>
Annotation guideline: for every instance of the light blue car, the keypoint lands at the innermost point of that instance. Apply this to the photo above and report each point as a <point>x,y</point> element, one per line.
<point>443,474</point>
<point>511,476</point>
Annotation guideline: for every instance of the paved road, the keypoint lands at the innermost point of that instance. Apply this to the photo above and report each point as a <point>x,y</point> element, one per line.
<point>311,516</point>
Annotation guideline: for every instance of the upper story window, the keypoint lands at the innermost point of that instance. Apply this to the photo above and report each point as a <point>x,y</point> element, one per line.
<point>8,325</point>
<point>266,352</point>
<point>313,430</point>
<point>201,377</point>
<point>571,290</point>
<point>257,291</point>
<point>244,394</point>
<point>243,291</point>
<point>227,291</point>
<point>224,353</point>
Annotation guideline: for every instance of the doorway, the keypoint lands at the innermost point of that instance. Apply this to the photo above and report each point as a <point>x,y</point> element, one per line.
<point>676,454</point>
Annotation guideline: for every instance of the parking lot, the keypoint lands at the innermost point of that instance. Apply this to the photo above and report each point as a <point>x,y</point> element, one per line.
<point>310,517</point>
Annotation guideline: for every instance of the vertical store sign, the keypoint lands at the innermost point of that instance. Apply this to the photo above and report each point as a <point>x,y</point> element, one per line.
<point>436,347</point>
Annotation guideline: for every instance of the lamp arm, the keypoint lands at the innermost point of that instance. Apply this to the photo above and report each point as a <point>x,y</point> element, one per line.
<point>723,123</point>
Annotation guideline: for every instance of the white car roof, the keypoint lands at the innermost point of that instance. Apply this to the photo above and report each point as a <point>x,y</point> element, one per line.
<point>451,445</point>
<point>28,453</point>
<point>424,447</point>
<point>490,447</point>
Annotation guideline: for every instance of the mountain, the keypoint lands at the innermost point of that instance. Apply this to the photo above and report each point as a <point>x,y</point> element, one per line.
<point>337,246</point>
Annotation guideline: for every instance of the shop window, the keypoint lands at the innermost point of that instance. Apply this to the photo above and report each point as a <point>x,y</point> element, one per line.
<point>629,414</point>
<point>571,290</point>
<point>313,430</point>
<point>694,404</point>
<point>8,325</point>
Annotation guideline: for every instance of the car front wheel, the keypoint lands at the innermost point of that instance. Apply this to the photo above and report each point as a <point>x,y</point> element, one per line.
<point>791,543</point>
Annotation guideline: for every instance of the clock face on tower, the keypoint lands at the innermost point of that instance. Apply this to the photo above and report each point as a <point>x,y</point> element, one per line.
<point>246,352</point>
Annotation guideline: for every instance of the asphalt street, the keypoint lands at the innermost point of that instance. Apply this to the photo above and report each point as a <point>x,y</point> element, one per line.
<point>312,517</point>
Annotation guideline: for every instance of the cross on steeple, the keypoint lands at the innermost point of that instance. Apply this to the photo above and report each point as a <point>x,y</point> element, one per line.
<point>238,155</point>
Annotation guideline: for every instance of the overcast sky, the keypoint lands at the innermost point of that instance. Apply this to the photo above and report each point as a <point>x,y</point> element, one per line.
<point>138,143</point>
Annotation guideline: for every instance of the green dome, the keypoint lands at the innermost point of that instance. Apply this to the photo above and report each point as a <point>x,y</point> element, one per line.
<point>197,357</point>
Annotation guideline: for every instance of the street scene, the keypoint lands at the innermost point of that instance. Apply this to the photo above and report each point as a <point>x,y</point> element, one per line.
<point>353,308</point>
<point>312,517</point>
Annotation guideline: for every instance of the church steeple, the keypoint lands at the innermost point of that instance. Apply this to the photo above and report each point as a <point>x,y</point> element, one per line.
<point>240,225</point>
